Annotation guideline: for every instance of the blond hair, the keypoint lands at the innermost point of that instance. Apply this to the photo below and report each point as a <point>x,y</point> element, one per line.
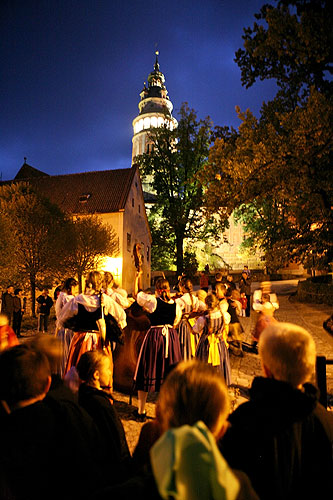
<point>193,391</point>
<point>289,352</point>
<point>94,280</point>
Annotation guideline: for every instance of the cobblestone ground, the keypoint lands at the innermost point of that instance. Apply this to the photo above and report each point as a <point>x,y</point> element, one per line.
<point>309,316</point>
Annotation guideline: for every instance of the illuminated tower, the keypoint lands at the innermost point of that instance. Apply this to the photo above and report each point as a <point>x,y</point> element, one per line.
<point>155,110</point>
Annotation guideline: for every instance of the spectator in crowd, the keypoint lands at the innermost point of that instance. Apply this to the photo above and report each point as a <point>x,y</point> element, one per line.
<point>230,284</point>
<point>282,438</point>
<point>204,281</point>
<point>44,304</point>
<point>247,271</point>
<point>179,448</point>
<point>245,287</point>
<point>218,279</point>
<point>95,373</point>
<point>264,318</point>
<point>18,311</point>
<point>45,445</point>
<point>7,304</point>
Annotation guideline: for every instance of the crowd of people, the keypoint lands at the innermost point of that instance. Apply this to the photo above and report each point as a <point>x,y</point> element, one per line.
<point>61,436</point>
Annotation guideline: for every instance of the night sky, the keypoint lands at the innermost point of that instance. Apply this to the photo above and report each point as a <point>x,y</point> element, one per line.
<point>72,71</point>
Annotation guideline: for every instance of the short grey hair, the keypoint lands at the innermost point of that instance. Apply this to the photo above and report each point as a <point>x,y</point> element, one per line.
<point>289,352</point>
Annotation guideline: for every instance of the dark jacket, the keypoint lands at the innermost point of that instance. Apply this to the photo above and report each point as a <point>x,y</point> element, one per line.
<point>282,439</point>
<point>97,403</point>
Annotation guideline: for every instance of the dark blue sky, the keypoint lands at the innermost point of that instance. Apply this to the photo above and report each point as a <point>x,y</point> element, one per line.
<point>72,70</point>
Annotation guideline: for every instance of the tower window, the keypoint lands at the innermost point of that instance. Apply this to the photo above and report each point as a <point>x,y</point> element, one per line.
<point>132,202</point>
<point>129,238</point>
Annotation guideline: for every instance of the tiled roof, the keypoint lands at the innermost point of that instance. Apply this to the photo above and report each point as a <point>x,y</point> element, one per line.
<point>89,192</point>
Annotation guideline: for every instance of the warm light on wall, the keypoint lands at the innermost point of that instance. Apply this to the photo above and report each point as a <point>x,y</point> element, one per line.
<point>113,265</point>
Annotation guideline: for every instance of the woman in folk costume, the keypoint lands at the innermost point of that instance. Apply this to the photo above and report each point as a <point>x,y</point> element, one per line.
<point>87,310</point>
<point>212,347</point>
<point>116,293</point>
<point>64,334</point>
<point>191,306</point>
<point>160,349</point>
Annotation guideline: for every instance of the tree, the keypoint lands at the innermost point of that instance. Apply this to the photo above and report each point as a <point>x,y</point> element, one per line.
<point>291,43</point>
<point>171,169</point>
<point>35,234</point>
<point>90,242</point>
<point>276,170</point>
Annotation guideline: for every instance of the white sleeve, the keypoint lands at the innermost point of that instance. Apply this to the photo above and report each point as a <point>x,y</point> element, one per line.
<point>120,299</point>
<point>111,307</point>
<point>68,311</point>
<point>257,305</point>
<point>180,302</point>
<point>274,301</point>
<point>147,301</point>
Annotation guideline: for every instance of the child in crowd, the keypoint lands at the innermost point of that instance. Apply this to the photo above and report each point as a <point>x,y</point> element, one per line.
<point>94,369</point>
<point>212,347</point>
<point>243,301</point>
<point>181,458</point>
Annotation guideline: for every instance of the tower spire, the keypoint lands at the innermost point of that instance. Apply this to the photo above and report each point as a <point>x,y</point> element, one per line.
<point>155,110</point>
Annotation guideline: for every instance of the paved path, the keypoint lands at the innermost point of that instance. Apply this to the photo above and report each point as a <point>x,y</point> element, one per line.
<point>309,316</point>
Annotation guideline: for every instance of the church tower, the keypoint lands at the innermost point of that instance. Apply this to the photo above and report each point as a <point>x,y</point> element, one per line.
<point>155,110</point>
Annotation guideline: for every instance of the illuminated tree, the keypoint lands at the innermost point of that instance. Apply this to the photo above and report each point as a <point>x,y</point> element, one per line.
<point>89,242</point>
<point>276,170</point>
<point>35,230</point>
<point>171,170</point>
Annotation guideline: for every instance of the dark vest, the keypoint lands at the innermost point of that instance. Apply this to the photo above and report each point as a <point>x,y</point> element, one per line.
<point>85,321</point>
<point>164,313</point>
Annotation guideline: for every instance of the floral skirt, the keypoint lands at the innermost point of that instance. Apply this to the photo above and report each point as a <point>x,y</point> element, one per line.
<point>159,353</point>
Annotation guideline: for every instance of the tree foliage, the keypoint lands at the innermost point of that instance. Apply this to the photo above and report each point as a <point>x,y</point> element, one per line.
<point>89,242</point>
<point>291,43</point>
<point>35,232</point>
<point>276,170</point>
<point>171,170</point>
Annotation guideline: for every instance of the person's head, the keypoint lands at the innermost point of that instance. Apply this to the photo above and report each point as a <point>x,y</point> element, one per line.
<point>162,288</point>
<point>45,291</point>
<point>244,275</point>
<point>17,291</point>
<point>94,368</point>
<point>10,289</point>
<point>69,284</point>
<point>202,294</point>
<point>288,353</point>
<point>193,391</point>
<point>50,346</point>
<point>108,279</point>
<point>235,294</point>
<point>25,376</point>
<point>230,277</point>
<point>220,290</point>
<point>246,268</point>
<point>212,302</point>
<point>218,277</point>
<point>94,281</point>
<point>185,285</point>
